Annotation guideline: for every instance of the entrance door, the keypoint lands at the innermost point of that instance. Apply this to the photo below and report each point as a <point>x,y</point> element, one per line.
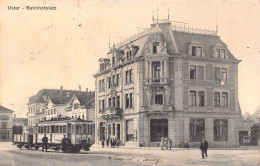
<point>118,131</point>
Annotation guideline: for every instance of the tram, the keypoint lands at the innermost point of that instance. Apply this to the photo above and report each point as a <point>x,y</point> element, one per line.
<point>75,131</point>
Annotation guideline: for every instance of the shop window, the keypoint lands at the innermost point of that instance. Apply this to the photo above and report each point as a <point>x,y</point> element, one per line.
<point>158,129</point>
<point>197,130</point>
<point>221,130</point>
<point>130,130</point>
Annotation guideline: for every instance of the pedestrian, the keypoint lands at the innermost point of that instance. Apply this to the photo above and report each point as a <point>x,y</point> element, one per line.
<point>162,143</point>
<point>117,143</point>
<point>111,142</point>
<point>204,147</point>
<point>107,142</point>
<point>64,144</point>
<point>170,143</point>
<point>102,142</point>
<point>44,143</point>
<point>166,143</point>
<point>186,143</point>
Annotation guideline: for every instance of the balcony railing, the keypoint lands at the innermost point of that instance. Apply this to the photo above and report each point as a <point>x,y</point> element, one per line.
<point>158,108</point>
<point>162,80</point>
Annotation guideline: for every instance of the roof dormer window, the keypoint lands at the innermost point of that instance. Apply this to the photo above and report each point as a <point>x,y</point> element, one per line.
<point>220,53</point>
<point>196,51</point>
<point>155,47</point>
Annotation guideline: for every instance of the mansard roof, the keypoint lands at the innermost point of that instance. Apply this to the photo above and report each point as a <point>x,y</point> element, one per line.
<point>4,109</point>
<point>183,39</point>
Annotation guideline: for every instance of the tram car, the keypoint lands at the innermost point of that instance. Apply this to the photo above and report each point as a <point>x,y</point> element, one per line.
<point>76,132</point>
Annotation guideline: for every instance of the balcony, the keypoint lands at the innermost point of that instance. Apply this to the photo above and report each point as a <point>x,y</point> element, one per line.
<point>158,108</point>
<point>153,81</point>
<point>112,113</point>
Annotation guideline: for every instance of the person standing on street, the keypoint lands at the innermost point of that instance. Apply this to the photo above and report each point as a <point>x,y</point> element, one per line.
<point>186,143</point>
<point>107,142</point>
<point>64,144</point>
<point>103,143</point>
<point>170,143</point>
<point>44,143</point>
<point>162,143</point>
<point>204,147</point>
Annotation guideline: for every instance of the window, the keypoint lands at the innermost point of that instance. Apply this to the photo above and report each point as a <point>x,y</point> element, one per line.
<point>57,129</point>
<point>109,82</point>
<point>129,54</point>
<point>64,129</point>
<point>224,74</point>
<point>218,53</point>
<point>129,100</point>
<point>158,129</point>
<point>199,51</point>
<point>78,129</point>
<point>84,129</point>
<point>192,98</point>
<point>192,72</point>
<point>220,130</point>
<point>193,51</point>
<point>197,130</point>
<point>129,76</point>
<point>117,79</point>
<point>222,55</point>
<point>101,85</point>
<point>126,101</point>
<point>216,99</point>
<point>130,130</point>
<point>109,102</point>
<point>201,98</point>
<point>54,111</point>
<point>114,128</point>
<point>155,47</point>
<point>118,101</point>
<point>224,99</point>
<point>114,101</point>
<point>4,125</point>
<point>61,129</point>
<point>159,98</point>
<point>156,71</point>
<point>220,74</point>
<point>196,72</point>
<point>4,117</point>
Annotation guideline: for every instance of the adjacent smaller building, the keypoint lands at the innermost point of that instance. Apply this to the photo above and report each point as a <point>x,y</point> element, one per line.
<point>6,124</point>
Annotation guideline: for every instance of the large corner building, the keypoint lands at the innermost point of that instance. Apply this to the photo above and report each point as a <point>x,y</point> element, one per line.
<point>168,81</point>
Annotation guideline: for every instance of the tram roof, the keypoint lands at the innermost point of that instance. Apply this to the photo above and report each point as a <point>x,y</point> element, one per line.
<point>62,121</point>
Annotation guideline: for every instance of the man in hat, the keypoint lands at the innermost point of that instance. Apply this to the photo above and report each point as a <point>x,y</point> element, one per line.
<point>204,147</point>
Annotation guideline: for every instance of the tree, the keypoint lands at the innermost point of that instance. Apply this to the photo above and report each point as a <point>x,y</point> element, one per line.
<point>254,135</point>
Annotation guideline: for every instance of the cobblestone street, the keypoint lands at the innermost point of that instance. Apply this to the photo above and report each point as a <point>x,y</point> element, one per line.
<point>10,155</point>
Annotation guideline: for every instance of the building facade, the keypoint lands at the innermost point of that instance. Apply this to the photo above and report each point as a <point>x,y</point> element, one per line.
<point>168,81</point>
<point>6,124</point>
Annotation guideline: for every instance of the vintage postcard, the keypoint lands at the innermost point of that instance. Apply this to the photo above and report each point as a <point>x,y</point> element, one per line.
<point>130,82</point>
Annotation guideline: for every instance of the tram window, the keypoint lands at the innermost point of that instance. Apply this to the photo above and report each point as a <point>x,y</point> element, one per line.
<point>84,129</point>
<point>78,128</point>
<point>64,129</point>
<point>48,129</point>
<point>57,129</point>
<point>39,129</point>
<point>52,129</point>
<point>60,129</point>
<point>44,131</point>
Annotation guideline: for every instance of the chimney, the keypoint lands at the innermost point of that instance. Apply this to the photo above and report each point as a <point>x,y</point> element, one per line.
<point>68,94</point>
<point>61,90</point>
<point>79,87</point>
<point>86,89</point>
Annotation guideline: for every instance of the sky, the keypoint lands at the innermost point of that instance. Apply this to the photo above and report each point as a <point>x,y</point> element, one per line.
<point>49,49</point>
